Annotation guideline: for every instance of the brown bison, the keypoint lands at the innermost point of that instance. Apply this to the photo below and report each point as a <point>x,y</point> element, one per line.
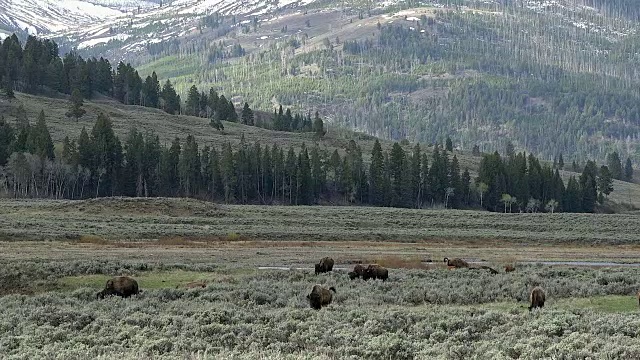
<point>325,265</point>
<point>375,271</point>
<point>491,270</point>
<point>358,271</point>
<point>537,298</point>
<point>120,285</point>
<point>457,263</point>
<point>320,296</point>
<point>509,268</point>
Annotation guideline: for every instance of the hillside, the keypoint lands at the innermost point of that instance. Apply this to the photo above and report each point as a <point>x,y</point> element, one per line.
<point>167,127</point>
<point>554,77</point>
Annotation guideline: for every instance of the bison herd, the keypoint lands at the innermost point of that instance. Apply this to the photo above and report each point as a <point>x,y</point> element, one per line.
<point>320,296</point>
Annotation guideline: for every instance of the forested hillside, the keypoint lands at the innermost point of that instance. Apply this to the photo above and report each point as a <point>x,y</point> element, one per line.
<point>553,77</point>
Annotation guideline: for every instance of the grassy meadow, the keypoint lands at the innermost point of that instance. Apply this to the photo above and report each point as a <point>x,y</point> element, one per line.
<point>258,261</point>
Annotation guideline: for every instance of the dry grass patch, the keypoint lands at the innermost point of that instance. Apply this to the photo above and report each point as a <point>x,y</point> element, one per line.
<point>399,262</point>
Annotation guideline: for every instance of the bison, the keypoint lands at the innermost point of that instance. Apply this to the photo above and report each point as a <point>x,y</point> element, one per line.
<point>120,285</point>
<point>374,271</point>
<point>358,271</point>
<point>457,263</point>
<point>537,298</point>
<point>325,265</point>
<point>320,296</point>
<point>509,268</point>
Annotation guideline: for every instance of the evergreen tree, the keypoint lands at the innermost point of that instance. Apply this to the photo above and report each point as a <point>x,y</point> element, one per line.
<point>217,187</point>
<point>86,152</point>
<point>605,181</point>
<point>228,173</point>
<point>232,116</point>
<point>303,177</point>
<point>151,91</point>
<point>317,173</point>
<point>466,187</point>
<point>628,170</point>
<point>588,187</point>
<point>132,183</point>
<point>415,173</point>
<point>108,156</point>
<point>39,140</point>
<point>190,167</point>
<point>510,151</point>
<point>572,199</point>
<point>615,165</point>
<point>449,144</point>
<point>397,171</point>
<point>318,126</point>
<point>376,176</point>
<point>75,108</point>
<point>247,115</point>
<point>170,99</point>
<point>7,137</point>
<point>170,169</point>
<point>70,152</point>
<point>476,150</point>
<point>455,183</point>
<point>560,162</point>
<point>192,107</point>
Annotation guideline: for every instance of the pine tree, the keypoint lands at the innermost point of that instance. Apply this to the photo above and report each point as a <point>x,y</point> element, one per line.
<point>228,172</point>
<point>376,176</point>
<point>588,187</point>
<point>510,150</point>
<point>317,173</point>
<point>449,144</point>
<point>455,183</point>
<point>247,115</point>
<point>86,153</point>
<point>39,141</point>
<point>303,177</point>
<point>217,187</point>
<point>7,137</point>
<point>190,167</point>
<point>605,181</point>
<point>318,126</point>
<point>615,165</point>
<point>560,162</point>
<point>75,108</point>
<point>170,99</point>
<point>572,199</point>
<point>108,156</point>
<point>476,150</point>
<point>414,174</point>
<point>232,116</point>
<point>466,187</point>
<point>628,170</point>
<point>397,160</point>
<point>192,106</point>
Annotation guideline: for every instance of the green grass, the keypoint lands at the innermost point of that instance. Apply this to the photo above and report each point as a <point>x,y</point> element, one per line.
<point>599,304</point>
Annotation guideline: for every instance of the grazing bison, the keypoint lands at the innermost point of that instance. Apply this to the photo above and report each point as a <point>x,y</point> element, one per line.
<point>320,296</point>
<point>120,285</point>
<point>491,270</point>
<point>358,271</point>
<point>325,265</point>
<point>509,268</point>
<point>537,298</point>
<point>374,271</point>
<point>457,263</point>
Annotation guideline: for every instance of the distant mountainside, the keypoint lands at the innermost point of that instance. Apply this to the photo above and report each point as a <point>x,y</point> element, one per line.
<point>552,76</point>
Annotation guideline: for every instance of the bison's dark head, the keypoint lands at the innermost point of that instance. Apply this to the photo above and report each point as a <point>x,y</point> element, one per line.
<point>353,275</point>
<point>333,289</point>
<point>315,300</point>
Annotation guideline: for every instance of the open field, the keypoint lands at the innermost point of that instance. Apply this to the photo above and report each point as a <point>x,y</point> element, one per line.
<point>48,305</point>
<point>119,219</point>
<point>55,256</point>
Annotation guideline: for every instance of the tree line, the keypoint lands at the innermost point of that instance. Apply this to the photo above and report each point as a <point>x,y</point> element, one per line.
<point>38,68</point>
<point>98,164</point>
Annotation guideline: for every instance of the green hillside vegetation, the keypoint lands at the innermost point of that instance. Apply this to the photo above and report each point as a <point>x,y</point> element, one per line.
<point>552,79</point>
